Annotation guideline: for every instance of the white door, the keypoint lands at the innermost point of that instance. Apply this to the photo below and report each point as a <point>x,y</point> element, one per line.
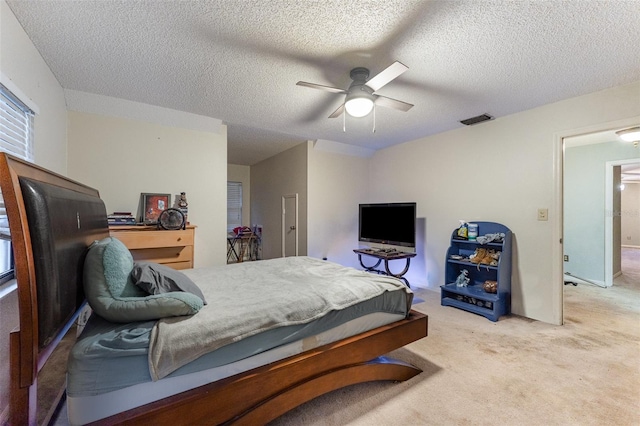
<point>289,225</point>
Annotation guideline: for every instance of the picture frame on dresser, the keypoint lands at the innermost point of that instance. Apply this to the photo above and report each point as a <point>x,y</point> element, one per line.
<point>151,205</point>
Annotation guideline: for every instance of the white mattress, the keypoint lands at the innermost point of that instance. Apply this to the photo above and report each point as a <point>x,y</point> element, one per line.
<point>85,409</point>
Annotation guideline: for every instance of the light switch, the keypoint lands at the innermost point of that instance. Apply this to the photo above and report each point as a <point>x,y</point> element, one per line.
<point>543,214</point>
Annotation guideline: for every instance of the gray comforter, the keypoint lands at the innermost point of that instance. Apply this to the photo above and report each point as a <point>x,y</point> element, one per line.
<point>274,293</point>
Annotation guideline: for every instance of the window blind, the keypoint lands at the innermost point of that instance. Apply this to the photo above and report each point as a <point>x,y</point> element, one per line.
<point>234,205</point>
<point>16,138</point>
<point>16,126</point>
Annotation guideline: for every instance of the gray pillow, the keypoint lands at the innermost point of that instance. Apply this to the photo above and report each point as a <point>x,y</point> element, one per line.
<point>112,295</point>
<point>158,279</point>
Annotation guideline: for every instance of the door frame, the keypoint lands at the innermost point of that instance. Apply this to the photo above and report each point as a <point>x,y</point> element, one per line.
<point>284,232</point>
<point>557,233</point>
<point>608,217</point>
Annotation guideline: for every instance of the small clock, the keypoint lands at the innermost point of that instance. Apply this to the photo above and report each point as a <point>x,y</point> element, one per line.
<point>171,219</point>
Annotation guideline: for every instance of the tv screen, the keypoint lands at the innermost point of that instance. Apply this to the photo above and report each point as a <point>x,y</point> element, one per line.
<point>390,224</point>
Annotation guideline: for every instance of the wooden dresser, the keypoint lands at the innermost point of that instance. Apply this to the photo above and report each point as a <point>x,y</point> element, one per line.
<point>149,244</point>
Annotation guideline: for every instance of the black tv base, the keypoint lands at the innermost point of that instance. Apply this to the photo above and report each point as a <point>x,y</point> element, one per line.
<point>386,255</point>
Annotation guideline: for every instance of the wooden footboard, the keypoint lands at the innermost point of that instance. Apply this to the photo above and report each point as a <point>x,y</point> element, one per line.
<point>53,220</point>
<point>263,394</point>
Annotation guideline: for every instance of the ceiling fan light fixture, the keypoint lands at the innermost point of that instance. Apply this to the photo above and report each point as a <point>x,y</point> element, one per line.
<point>359,102</point>
<point>360,99</point>
<point>359,107</point>
<point>629,135</point>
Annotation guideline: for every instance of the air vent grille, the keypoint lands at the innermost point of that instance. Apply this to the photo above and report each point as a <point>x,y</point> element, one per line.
<point>475,120</point>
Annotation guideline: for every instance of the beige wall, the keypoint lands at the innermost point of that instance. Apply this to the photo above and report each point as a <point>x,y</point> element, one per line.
<point>500,171</point>
<point>23,70</point>
<point>123,158</point>
<point>337,184</point>
<point>236,173</point>
<point>271,179</point>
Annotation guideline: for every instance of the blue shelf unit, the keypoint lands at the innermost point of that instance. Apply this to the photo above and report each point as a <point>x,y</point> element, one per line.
<point>473,298</point>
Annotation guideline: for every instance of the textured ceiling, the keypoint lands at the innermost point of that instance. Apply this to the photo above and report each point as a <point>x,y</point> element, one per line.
<point>239,61</point>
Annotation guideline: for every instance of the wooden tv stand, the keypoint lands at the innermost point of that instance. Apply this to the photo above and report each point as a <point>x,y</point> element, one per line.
<point>386,255</point>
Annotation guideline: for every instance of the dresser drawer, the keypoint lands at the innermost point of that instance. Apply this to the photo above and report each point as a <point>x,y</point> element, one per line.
<point>171,248</point>
<point>145,239</point>
<point>163,254</point>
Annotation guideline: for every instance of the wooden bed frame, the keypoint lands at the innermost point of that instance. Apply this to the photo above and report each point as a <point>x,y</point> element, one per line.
<point>254,397</point>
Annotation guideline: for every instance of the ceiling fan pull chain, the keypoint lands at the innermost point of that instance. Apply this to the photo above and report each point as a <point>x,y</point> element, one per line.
<point>344,121</point>
<point>374,118</point>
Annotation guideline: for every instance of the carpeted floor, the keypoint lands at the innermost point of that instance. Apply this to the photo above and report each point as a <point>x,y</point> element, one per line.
<point>513,372</point>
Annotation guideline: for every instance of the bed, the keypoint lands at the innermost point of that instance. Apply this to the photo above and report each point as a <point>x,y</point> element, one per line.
<point>55,223</point>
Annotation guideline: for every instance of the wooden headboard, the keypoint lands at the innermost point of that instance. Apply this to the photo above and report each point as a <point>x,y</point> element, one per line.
<point>52,221</point>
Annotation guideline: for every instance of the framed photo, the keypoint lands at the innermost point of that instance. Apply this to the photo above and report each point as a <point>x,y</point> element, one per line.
<point>151,205</point>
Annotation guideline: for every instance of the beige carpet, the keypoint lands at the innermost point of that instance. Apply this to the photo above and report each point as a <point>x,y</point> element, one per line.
<point>513,372</point>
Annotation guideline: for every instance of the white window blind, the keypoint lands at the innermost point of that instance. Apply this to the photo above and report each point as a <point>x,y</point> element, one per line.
<point>16,126</point>
<point>234,205</point>
<point>16,138</point>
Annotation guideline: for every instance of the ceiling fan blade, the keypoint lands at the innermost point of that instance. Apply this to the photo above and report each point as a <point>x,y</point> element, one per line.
<point>386,75</point>
<point>338,112</point>
<point>392,103</point>
<point>321,87</point>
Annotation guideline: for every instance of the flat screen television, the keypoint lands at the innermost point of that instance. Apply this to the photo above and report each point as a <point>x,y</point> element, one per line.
<point>383,225</point>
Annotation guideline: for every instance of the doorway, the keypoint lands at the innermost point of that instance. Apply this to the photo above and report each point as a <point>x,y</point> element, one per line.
<point>290,225</point>
<point>622,222</point>
<point>585,250</point>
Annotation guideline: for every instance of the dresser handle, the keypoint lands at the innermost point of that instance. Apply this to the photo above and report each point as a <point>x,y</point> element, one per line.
<point>179,238</point>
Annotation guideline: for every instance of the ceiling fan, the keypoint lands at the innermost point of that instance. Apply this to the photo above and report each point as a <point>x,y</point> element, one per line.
<point>361,94</point>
